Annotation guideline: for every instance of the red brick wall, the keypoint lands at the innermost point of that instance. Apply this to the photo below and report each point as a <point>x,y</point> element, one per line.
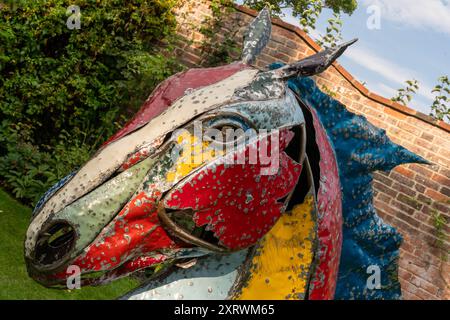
<point>409,196</point>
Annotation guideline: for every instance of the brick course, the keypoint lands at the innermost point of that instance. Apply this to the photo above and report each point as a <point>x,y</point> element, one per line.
<point>409,196</point>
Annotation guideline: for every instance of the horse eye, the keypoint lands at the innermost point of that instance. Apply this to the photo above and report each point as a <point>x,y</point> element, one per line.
<point>224,134</point>
<point>226,130</point>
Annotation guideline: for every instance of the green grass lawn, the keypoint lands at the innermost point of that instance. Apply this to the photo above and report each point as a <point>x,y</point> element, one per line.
<point>14,281</point>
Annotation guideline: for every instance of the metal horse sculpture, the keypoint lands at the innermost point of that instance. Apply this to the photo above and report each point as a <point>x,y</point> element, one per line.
<point>300,226</point>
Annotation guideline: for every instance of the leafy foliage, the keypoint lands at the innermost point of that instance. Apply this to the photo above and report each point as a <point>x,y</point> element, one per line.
<point>306,10</point>
<point>63,92</point>
<point>440,108</point>
<point>439,222</point>
<point>404,95</point>
<point>333,35</point>
<point>219,46</point>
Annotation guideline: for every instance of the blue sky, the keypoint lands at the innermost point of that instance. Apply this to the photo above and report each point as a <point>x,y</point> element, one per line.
<point>413,42</point>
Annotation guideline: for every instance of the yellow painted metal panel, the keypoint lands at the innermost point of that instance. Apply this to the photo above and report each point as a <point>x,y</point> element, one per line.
<point>281,267</point>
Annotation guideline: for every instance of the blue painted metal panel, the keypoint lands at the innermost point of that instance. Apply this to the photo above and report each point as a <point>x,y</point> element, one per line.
<point>360,148</point>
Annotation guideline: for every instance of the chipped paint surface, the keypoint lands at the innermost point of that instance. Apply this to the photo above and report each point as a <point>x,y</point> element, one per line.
<point>314,64</point>
<point>284,112</point>
<point>50,192</point>
<point>132,241</point>
<point>329,204</point>
<point>135,229</point>
<point>264,86</point>
<point>92,212</point>
<point>140,203</point>
<point>109,159</point>
<point>283,262</point>
<point>173,89</point>
<point>257,36</point>
<point>360,149</point>
<point>192,148</point>
<point>234,201</point>
<point>211,278</point>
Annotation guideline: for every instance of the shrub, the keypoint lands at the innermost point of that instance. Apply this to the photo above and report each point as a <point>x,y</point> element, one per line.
<point>63,92</point>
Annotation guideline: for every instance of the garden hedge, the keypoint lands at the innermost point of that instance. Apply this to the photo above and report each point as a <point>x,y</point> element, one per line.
<point>64,91</point>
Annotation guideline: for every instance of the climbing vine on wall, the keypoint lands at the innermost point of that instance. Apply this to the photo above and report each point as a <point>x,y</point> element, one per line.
<point>439,222</point>
<point>333,32</point>
<point>64,91</point>
<point>405,95</point>
<point>440,109</point>
<point>307,11</point>
<point>219,45</point>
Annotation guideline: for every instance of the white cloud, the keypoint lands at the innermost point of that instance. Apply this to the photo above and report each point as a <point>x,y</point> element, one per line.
<point>418,102</point>
<point>388,70</point>
<point>428,14</point>
<point>383,67</point>
<point>384,89</point>
<point>389,76</point>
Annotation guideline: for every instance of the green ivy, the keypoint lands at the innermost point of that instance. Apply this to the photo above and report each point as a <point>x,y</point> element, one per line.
<point>218,52</point>
<point>307,11</point>
<point>405,95</point>
<point>440,109</point>
<point>333,32</point>
<point>63,92</point>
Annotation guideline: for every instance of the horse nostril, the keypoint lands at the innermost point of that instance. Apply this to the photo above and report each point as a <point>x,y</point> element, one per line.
<point>54,243</point>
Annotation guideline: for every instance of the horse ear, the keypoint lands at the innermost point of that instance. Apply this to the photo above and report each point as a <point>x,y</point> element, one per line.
<point>257,36</point>
<point>314,64</point>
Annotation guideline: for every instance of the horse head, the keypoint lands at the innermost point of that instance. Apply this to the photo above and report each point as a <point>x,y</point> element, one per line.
<point>225,171</point>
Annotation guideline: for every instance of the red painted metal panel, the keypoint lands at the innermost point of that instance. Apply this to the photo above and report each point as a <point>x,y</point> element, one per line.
<point>172,89</point>
<point>235,201</point>
<point>329,204</point>
<point>134,239</point>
